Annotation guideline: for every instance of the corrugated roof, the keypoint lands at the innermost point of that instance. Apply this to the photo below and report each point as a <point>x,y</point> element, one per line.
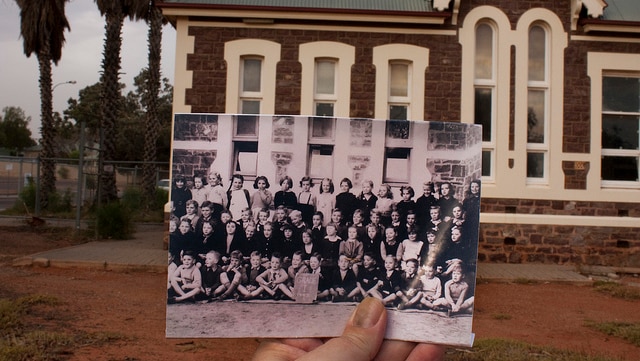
<point>375,5</point>
<point>622,10</point>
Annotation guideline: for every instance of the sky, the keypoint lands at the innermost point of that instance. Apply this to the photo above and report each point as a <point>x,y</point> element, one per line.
<point>81,58</point>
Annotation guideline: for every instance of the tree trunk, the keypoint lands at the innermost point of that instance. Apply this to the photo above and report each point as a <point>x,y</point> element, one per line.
<point>110,102</point>
<point>48,172</point>
<point>153,87</point>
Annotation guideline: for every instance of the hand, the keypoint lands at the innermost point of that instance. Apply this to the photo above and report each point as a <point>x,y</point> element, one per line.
<point>361,340</point>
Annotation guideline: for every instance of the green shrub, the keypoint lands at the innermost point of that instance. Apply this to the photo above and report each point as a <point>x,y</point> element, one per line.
<point>28,193</point>
<point>113,221</point>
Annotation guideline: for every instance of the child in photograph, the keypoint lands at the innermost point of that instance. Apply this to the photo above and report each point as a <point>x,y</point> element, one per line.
<point>455,294</point>
<point>318,230</point>
<point>210,273</point>
<point>368,274</point>
<point>183,240</point>
<point>410,248</point>
<point>297,223</point>
<point>431,287</point>
<point>390,244</point>
<point>343,287</point>
<point>280,219</point>
<point>306,200</point>
<point>270,242</point>
<point>345,200</point>
<point>233,276</point>
<point>326,201</point>
<point>180,194</point>
<point>238,198</point>
<point>207,241</point>
<point>309,247</point>
<point>352,249</point>
<point>396,221</point>
<point>252,239</point>
<point>357,220</point>
<point>371,243</point>
<point>324,280</point>
<point>246,218</point>
<point>206,215</point>
<point>171,268</point>
<point>274,279</point>
<point>191,207</point>
<point>389,282</point>
<point>285,197</point>
<point>367,200</point>
<point>385,203</point>
<point>406,203</point>
<point>233,240</point>
<point>251,289</point>
<point>331,246</point>
<point>186,281</point>
<point>289,244</point>
<point>375,218</point>
<point>424,203</point>
<point>297,267</point>
<point>447,201</point>
<point>199,192</point>
<point>409,293</point>
<point>263,218</point>
<point>215,192</point>
<point>262,198</point>
<point>338,222</point>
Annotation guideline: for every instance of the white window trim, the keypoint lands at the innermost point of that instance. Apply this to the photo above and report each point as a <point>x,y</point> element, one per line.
<point>419,59</point>
<point>234,51</point>
<point>345,55</point>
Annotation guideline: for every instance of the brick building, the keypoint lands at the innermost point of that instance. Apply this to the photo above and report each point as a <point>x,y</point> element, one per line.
<point>555,84</point>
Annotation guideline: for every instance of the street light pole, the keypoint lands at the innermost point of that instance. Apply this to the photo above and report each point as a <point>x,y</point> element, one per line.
<point>64,82</point>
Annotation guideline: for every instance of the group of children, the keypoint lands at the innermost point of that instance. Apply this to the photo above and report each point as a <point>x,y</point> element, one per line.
<point>252,246</point>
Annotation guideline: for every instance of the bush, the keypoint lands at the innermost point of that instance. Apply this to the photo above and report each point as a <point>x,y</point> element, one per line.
<point>114,221</point>
<point>28,193</point>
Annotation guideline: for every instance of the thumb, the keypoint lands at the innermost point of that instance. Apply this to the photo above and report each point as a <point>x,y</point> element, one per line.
<point>361,338</point>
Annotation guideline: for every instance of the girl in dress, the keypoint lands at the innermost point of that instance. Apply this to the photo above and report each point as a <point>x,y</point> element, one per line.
<point>325,201</point>
<point>238,197</point>
<point>306,199</point>
<point>262,197</point>
<point>385,203</point>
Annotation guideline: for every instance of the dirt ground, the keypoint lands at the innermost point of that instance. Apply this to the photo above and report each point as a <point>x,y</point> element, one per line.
<point>132,307</point>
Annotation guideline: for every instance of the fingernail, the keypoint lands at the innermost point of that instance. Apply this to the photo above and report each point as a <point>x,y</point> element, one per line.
<point>368,313</point>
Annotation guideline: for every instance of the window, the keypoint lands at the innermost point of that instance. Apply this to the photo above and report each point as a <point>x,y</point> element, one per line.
<point>620,129</point>
<point>320,161</point>
<point>251,76</point>
<point>321,129</point>
<point>399,95</point>
<point>537,105</point>
<point>325,87</point>
<point>484,91</point>
<point>396,165</point>
<point>245,159</point>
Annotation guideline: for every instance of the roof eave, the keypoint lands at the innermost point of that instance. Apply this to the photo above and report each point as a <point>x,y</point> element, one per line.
<point>610,26</point>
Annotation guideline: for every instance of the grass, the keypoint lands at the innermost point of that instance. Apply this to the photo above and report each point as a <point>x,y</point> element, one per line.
<point>625,330</point>
<point>617,290</point>
<point>21,340</point>
<point>509,350</point>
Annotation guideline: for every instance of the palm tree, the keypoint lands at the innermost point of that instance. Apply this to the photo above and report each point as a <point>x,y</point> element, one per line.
<point>153,16</point>
<point>42,25</point>
<point>114,12</point>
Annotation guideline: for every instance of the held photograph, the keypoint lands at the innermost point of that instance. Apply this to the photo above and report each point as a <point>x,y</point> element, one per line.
<point>281,224</point>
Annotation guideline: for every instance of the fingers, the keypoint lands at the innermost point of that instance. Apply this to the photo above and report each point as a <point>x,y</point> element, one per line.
<point>361,338</point>
<point>273,350</point>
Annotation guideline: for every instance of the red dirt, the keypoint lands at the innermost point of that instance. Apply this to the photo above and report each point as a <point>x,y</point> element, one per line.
<point>132,306</point>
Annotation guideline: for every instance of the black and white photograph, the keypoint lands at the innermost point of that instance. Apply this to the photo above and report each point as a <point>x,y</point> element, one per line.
<point>281,224</point>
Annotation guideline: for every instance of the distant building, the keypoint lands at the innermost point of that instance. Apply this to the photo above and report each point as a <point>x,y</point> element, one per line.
<point>555,84</point>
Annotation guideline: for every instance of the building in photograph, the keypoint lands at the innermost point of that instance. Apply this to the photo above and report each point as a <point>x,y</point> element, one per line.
<point>555,84</point>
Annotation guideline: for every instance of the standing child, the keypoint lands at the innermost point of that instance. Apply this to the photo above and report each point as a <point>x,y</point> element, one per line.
<point>338,222</point>
<point>455,294</point>
<point>285,197</point>
<point>309,246</point>
<point>192,213</point>
<point>410,248</point>
<point>246,218</point>
<point>431,287</point>
<point>262,197</point>
<point>306,200</point>
<point>371,243</point>
<point>199,192</point>
<point>274,279</point>
<point>280,219</point>
<point>215,193</point>
<point>318,230</point>
<point>237,197</point>
<point>390,245</point>
<point>385,203</point>
<point>326,201</point>
<point>406,202</point>
<point>263,218</point>
<point>352,249</point>
<point>389,282</point>
<point>367,200</point>
<point>357,220</point>
<point>179,196</point>
<point>344,282</point>
<point>424,203</point>
<point>186,281</point>
<point>345,200</point>
<point>331,246</point>
<point>409,293</point>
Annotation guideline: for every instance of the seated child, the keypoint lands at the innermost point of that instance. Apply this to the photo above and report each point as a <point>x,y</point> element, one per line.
<point>331,246</point>
<point>211,276</point>
<point>171,269</point>
<point>324,282</point>
<point>233,276</point>
<point>367,274</point>
<point>352,248</point>
<point>343,287</point>
<point>297,267</point>
<point>389,282</point>
<point>318,230</point>
<point>409,292</point>
<point>252,288</point>
<point>410,248</point>
<point>431,287</point>
<point>309,246</point>
<point>274,279</point>
<point>186,281</point>
<point>455,291</point>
